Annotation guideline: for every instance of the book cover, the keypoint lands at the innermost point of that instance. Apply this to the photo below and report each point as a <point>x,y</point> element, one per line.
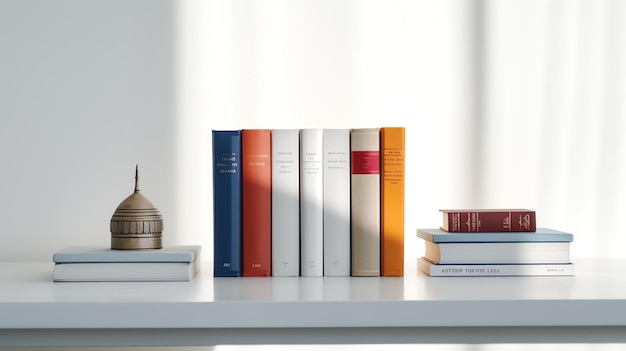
<point>392,201</point>
<point>227,215</point>
<point>365,202</point>
<point>489,220</point>
<point>541,234</point>
<point>337,202</point>
<point>548,252</point>
<point>311,203</point>
<point>257,202</point>
<point>125,271</point>
<point>285,202</point>
<point>92,254</point>
<point>492,270</point>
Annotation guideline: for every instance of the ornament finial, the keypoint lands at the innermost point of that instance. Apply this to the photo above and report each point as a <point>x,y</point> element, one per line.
<point>136,177</point>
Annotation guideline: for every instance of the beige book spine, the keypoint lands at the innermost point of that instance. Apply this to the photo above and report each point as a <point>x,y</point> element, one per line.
<point>365,198</point>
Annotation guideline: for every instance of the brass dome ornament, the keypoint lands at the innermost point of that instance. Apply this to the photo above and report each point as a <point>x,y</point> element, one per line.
<point>136,223</point>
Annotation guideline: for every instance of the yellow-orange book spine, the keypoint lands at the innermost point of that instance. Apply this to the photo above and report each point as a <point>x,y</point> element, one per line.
<point>392,201</point>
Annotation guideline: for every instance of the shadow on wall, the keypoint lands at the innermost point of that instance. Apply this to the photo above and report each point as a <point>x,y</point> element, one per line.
<point>87,92</point>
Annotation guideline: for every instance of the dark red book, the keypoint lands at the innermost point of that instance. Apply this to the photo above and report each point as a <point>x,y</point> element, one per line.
<point>492,220</point>
<point>256,153</point>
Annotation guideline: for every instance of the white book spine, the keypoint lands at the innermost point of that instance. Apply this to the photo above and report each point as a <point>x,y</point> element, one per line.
<point>337,202</point>
<point>285,202</point>
<point>311,203</point>
<point>365,220</point>
<point>498,253</point>
<point>486,270</point>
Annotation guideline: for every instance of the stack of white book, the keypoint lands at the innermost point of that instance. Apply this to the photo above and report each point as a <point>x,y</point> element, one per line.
<point>543,252</point>
<point>93,264</point>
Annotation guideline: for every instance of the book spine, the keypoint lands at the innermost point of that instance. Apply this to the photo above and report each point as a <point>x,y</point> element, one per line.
<point>489,221</point>
<point>498,253</point>
<point>486,270</point>
<point>285,202</point>
<point>80,254</point>
<point>541,235</point>
<point>125,271</point>
<point>257,202</point>
<point>392,201</point>
<point>311,203</point>
<point>337,202</point>
<point>227,220</point>
<point>365,202</point>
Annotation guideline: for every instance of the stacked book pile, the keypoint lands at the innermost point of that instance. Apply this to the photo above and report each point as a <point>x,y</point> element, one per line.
<point>308,202</point>
<point>90,264</point>
<point>494,243</point>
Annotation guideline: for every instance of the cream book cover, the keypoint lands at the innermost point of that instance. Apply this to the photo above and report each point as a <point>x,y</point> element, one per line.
<point>365,222</point>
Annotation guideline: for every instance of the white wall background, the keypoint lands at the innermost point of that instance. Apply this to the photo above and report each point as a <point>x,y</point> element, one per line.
<point>285,64</point>
<point>87,90</point>
<point>506,104</point>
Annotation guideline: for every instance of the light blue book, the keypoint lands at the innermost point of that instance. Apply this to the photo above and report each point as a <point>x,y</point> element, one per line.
<point>540,235</point>
<point>86,254</point>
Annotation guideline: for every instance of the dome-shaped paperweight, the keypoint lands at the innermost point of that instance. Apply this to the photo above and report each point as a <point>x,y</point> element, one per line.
<point>136,224</point>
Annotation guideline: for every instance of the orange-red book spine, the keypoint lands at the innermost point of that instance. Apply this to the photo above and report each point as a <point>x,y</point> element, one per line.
<point>257,202</point>
<point>392,201</point>
<point>489,220</point>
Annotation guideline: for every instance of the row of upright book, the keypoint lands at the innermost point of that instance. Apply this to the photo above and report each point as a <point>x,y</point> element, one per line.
<point>494,242</point>
<point>308,202</point>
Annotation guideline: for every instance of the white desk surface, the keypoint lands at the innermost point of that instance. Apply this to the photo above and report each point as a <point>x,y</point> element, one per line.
<point>588,307</point>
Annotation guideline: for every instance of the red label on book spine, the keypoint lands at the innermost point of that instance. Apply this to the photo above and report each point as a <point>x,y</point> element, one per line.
<point>365,162</point>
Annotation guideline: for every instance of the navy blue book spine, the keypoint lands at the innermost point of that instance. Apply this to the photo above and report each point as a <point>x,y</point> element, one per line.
<point>227,218</point>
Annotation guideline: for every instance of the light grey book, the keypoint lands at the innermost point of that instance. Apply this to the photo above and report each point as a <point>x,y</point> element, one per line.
<point>88,254</point>
<point>336,168</point>
<point>498,253</point>
<point>125,271</point>
<point>540,235</point>
<point>311,203</point>
<point>285,202</point>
